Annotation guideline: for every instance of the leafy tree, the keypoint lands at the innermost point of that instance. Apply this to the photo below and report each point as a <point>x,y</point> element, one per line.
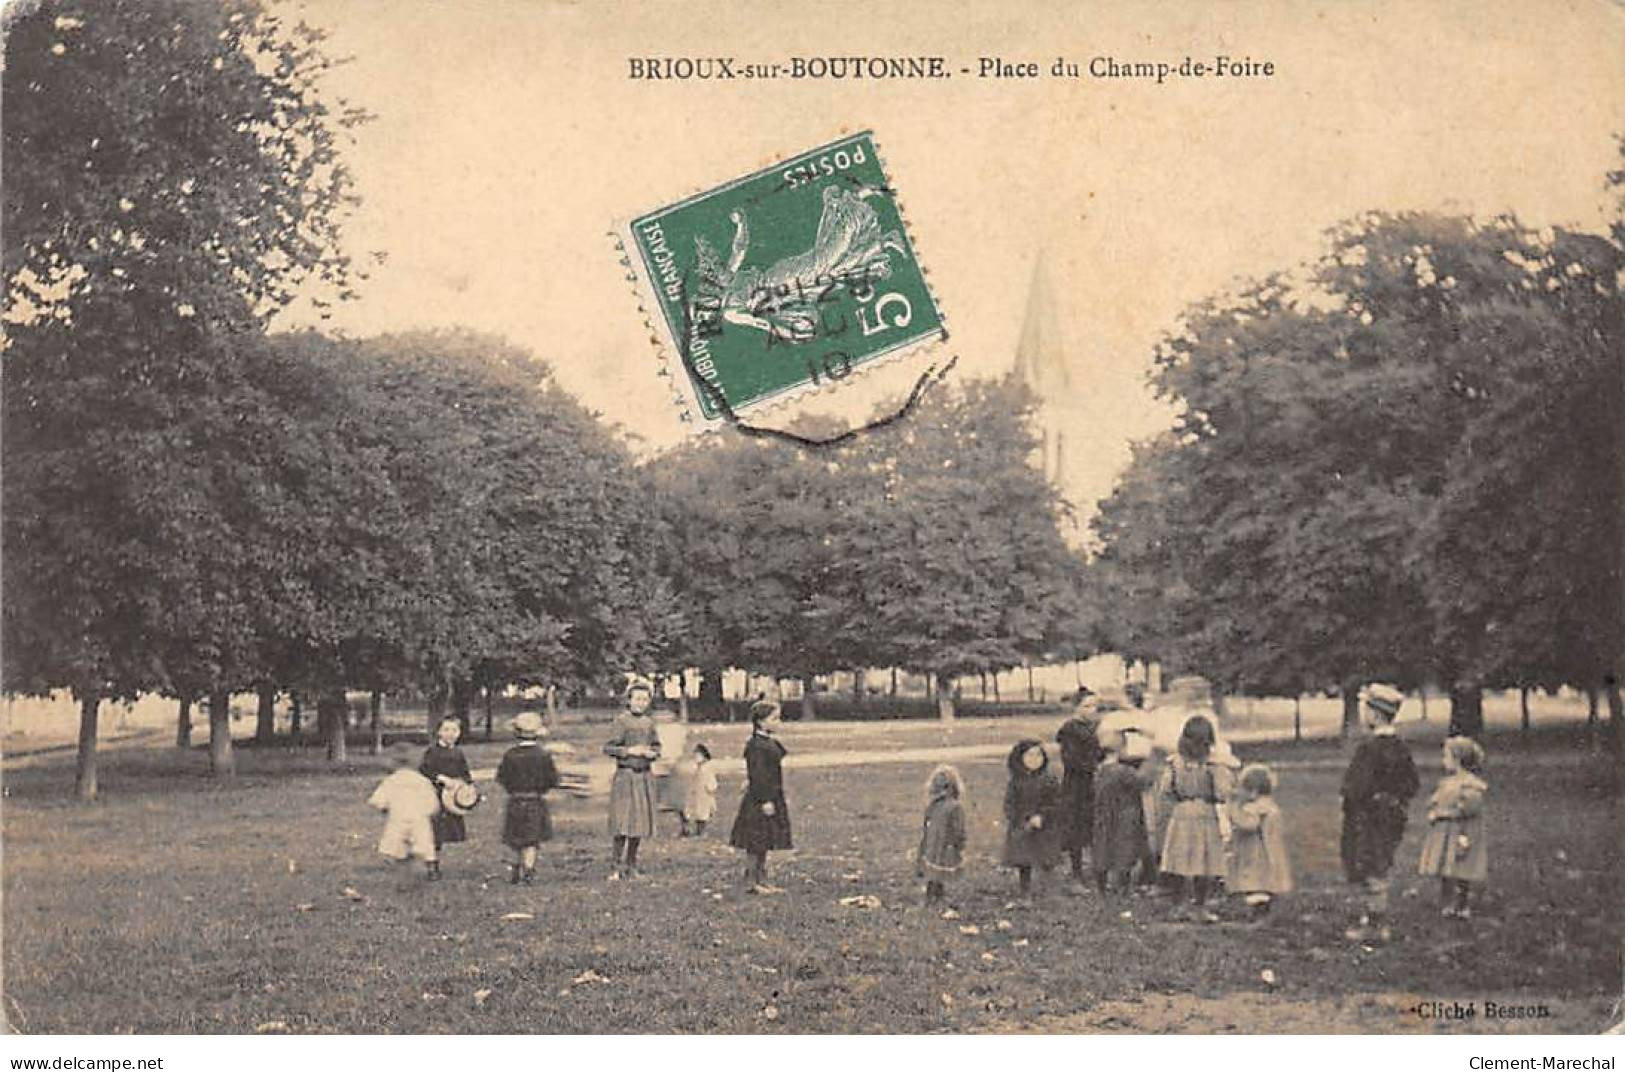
<point>172,179</point>
<point>1366,465</point>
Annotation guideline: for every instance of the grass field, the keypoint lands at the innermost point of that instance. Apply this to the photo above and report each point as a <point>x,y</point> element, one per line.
<point>179,905</point>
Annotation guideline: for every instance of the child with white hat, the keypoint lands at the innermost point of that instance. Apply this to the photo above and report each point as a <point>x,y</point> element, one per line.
<point>527,773</point>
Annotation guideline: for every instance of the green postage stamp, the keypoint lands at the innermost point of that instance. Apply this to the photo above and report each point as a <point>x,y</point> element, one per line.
<point>785,280</point>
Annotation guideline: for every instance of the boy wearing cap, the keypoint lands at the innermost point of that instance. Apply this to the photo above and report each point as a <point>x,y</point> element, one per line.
<point>1377,790</point>
<point>409,800</point>
<point>527,773</point>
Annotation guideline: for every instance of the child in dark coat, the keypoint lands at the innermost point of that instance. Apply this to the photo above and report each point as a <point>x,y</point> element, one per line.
<point>1119,837</point>
<point>527,773</point>
<point>942,841</point>
<point>443,764</point>
<point>1080,755</point>
<point>1032,803</point>
<point>763,822</point>
<point>1377,790</point>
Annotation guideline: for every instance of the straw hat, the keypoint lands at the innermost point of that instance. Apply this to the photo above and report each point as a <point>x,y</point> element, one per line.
<point>458,797</point>
<point>638,681</point>
<point>528,726</point>
<point>1384,699</point>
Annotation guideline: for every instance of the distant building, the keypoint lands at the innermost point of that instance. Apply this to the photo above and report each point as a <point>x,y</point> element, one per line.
<point>1041,362</point>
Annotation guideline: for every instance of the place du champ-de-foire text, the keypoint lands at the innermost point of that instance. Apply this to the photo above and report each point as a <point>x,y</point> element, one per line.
<point>1159,70</point>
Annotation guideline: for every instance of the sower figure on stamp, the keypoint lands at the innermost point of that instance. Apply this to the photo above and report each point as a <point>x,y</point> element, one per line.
<point>1080,755</point>
<point>763,823</point>
<point>444,763</point>
<point>1377,790</point>
<point>635,746</point>
<point>848,244</point>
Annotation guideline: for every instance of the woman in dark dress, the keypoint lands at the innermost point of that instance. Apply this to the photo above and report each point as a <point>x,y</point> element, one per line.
<point>444,762</point>
<point>1080,755</point>
<point>764,818</point>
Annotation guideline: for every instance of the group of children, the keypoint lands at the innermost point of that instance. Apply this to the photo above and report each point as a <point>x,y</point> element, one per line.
<point>1185,825</point>
<point>425,804</point>
<point>1190,824</point>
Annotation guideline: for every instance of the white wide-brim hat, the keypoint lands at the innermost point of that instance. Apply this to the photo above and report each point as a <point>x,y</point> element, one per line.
<point>459,798</point>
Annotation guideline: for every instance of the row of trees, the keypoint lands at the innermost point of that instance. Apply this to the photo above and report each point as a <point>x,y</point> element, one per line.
<point>930,544</point>
<point>1404,464</point>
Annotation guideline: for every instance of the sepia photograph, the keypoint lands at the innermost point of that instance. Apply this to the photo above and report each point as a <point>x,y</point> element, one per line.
<point>536,517</point>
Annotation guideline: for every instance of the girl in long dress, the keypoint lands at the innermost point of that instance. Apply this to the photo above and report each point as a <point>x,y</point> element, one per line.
<point>1194,792</point>
<point>763,823</point>
<point>635,746</point>
<point>444,762</point>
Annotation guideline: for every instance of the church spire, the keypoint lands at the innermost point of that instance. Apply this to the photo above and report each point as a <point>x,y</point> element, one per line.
<point>1041,362</point>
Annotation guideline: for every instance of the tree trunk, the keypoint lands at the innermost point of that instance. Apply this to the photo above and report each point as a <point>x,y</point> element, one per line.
<point>996,698</point>
<point>462,701</point>
<point>1466,710</point>
<point>490,713</point>
<point>84,778</point>
<point>809,709</point>
<point>1422,695</point>
<point>1297,717</point>
<point>945,698</point>
<point>1523,709</point>
<point>332,712</point>
<point>1591,707</point>
<point>857,688</point>
<point>1616,710</point>
<point>377,722</point>
<point>894,682</point>
<point>183,723</point>
<point>296,716</point>
<point>1031,697</point>
<point>1220,706</point>
<point>710,698</point>
<point>983,676</point>
<point>437,706</point>
<point>682,697</point>
<point>222,759</point>
<point>1351,709</point>
<point>265,715</point>
<point>552,706</point>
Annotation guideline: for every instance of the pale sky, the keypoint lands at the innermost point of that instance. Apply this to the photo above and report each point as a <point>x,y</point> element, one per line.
<point>509,139</point>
